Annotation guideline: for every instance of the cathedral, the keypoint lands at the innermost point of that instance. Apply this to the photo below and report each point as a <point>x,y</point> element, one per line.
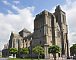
<point>49,29</point>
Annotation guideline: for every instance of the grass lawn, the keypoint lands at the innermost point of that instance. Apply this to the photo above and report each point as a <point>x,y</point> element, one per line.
<point>17,59</point>
<point>22,59</point>
<point>0,56</point>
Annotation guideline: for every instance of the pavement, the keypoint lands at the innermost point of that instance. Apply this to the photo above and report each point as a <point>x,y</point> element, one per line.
<point>3,58</point>
<point>59,59</point>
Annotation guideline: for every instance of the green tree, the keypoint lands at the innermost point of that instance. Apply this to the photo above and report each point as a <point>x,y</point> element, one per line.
<point>24,51</point>
<point>38,50</point>
<point>73,50</point>
<point>13,51</point>
<point>54,49</point>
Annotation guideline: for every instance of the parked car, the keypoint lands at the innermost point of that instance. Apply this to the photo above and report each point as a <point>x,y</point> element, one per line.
<point>74,57</point>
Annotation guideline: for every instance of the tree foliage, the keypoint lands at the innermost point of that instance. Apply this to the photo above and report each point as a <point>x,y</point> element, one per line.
<point>13,50</point>
<point>54,49</point>
<point>38,50</point>
<point>24,50</point>
<point>73,49</point>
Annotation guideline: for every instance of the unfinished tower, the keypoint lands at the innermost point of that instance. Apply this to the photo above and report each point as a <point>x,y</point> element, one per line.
<point>51,29</point>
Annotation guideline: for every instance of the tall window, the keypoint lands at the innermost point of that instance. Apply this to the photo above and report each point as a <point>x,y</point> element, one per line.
<point>56,18</point>
<point>40,42</point>
<point>16,43</point>
<point>63,19</point>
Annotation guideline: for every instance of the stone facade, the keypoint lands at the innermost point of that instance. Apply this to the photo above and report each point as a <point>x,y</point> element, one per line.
<point>20,40</point>
<point>49,29</point>
<point>5,52</point>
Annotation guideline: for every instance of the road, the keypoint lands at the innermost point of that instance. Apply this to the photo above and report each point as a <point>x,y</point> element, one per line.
<point>41,59</point>
<point>3,58</point>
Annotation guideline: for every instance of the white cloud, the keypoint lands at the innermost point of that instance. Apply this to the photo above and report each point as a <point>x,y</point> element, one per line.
<point>15,22</point>
<point>15,8</point>
<point>24,18</point>
<point>70,8</point>
<point>6,2</point>
<point>10,12</point>
<point>16,2</point>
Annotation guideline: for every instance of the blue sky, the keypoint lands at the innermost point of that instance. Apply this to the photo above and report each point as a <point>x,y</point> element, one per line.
<point>38,4</point>
<point>18,14</point>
